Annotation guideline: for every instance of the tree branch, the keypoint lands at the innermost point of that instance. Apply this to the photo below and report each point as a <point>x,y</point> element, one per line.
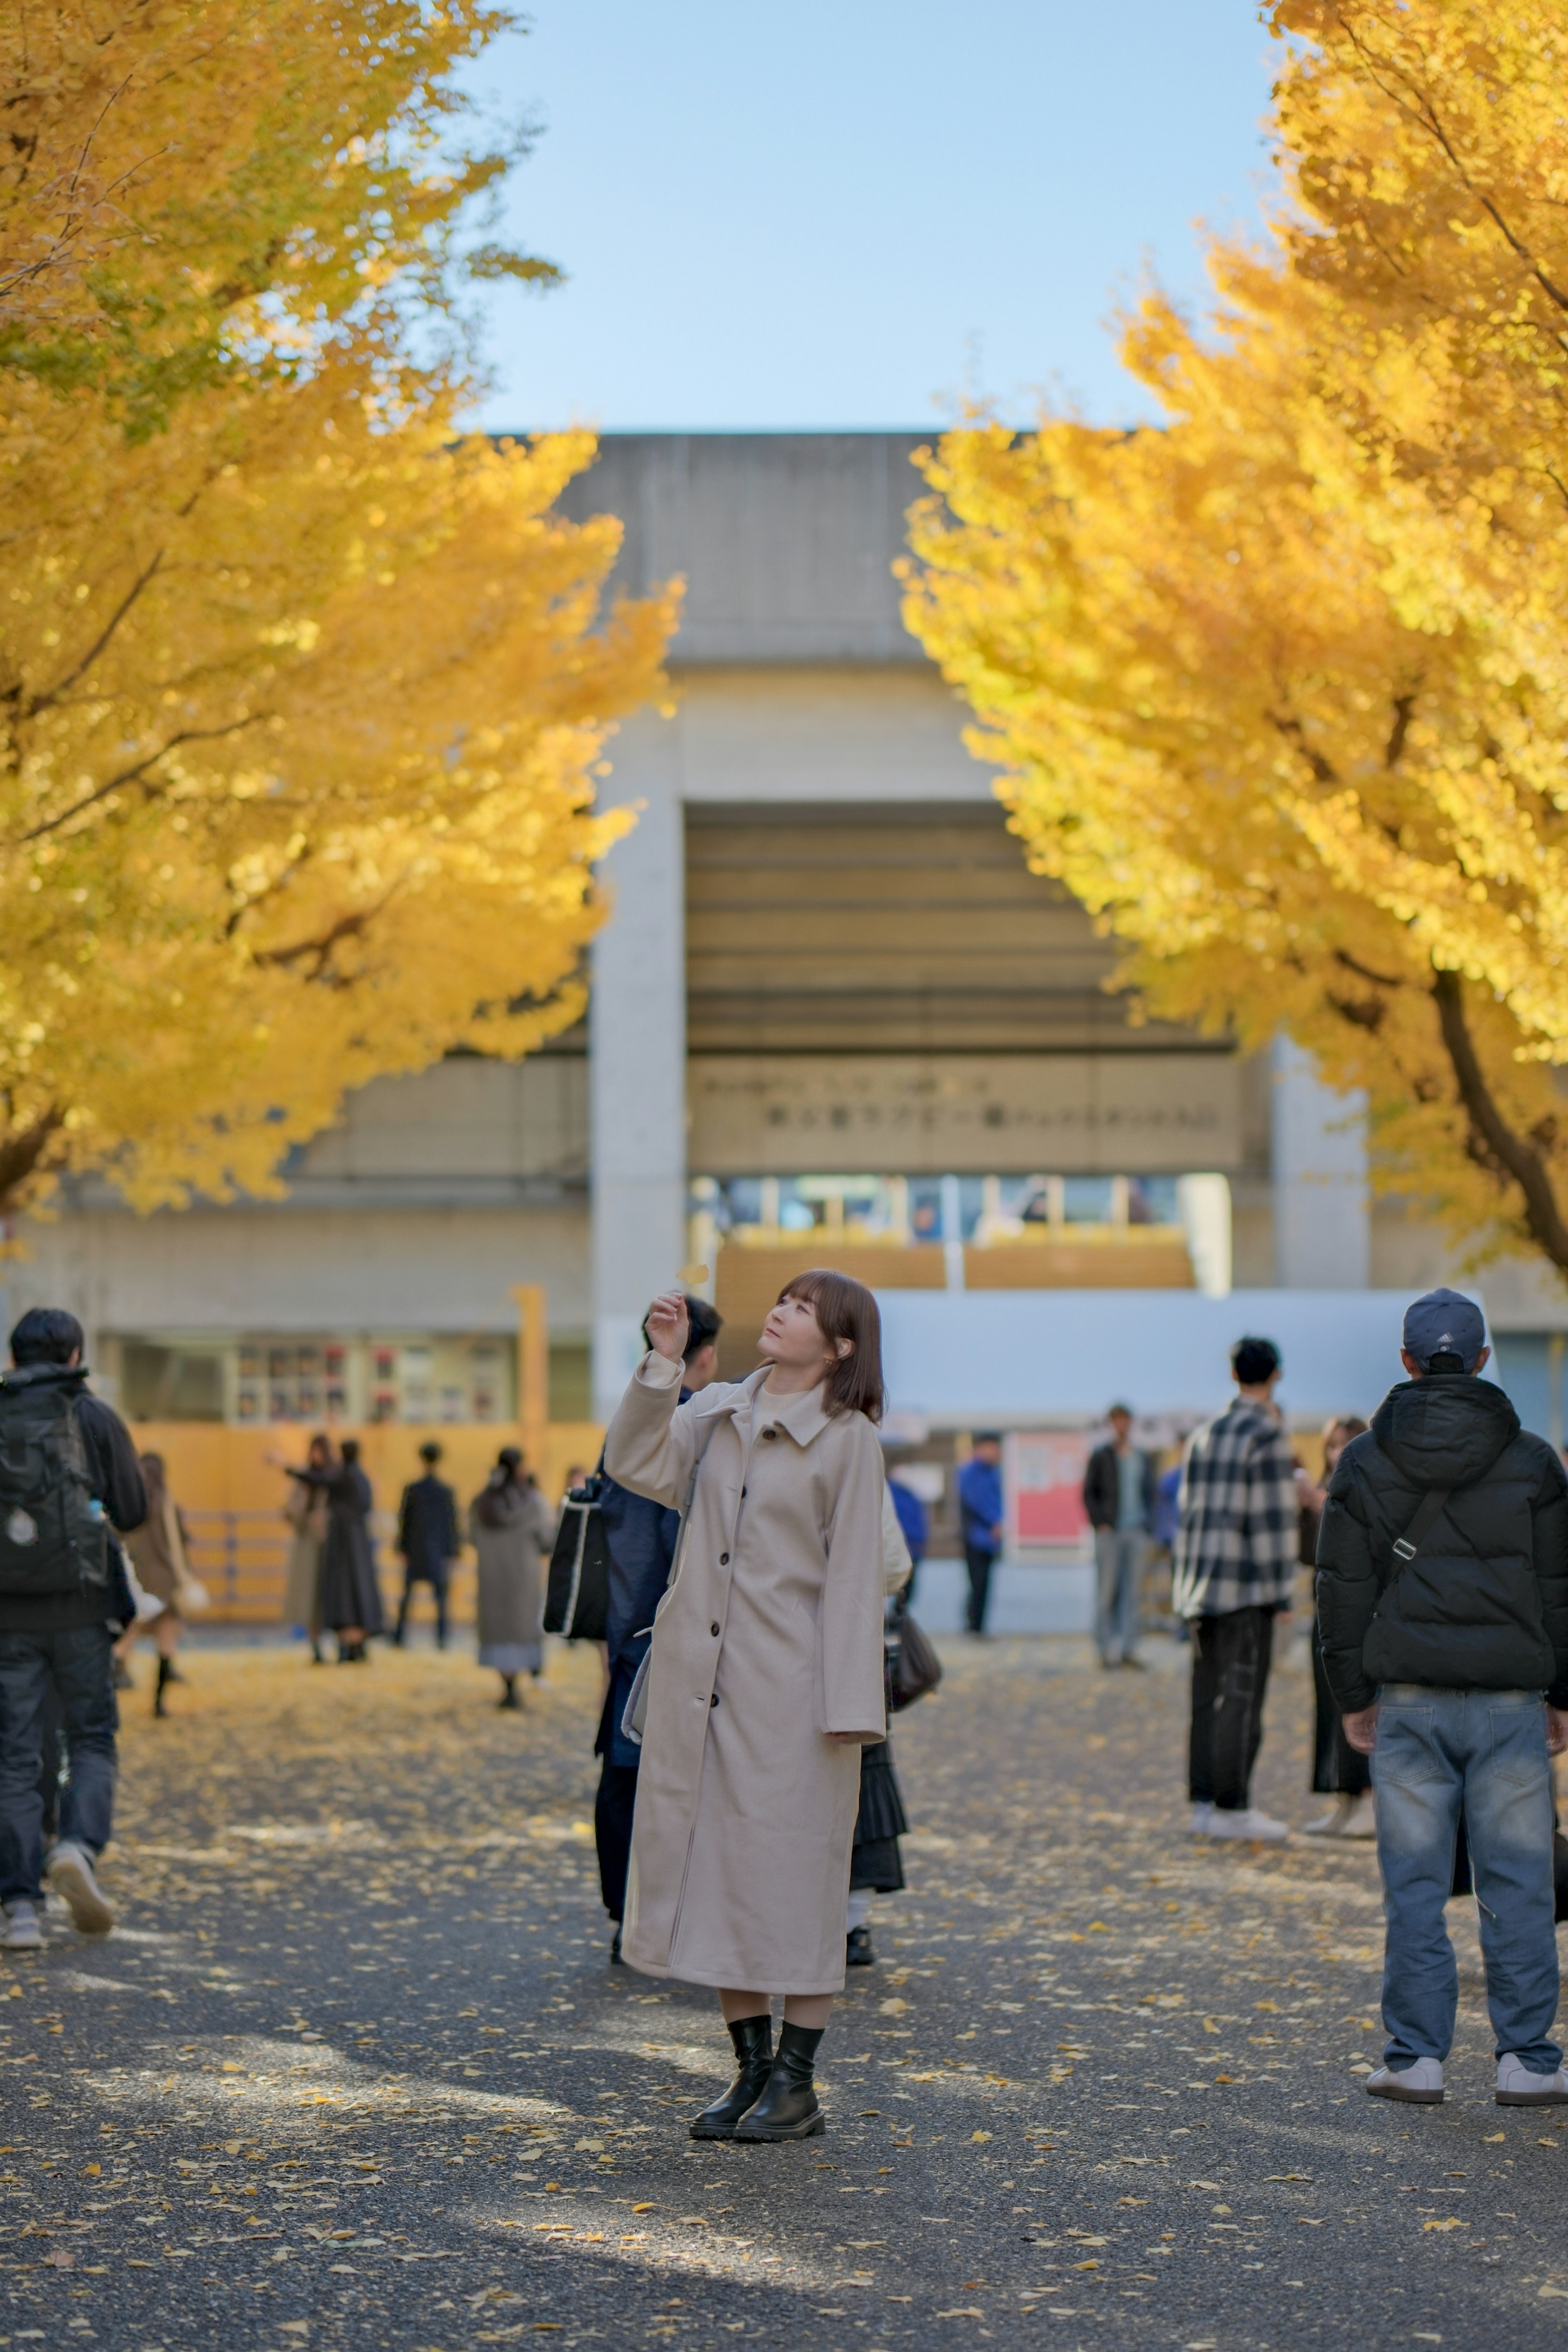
<point>1507,1154</point>
<point>132,775</point>
<point>1420,108</point>
<point>20,1153</point>
<point>61,686</point>
<point>1323,771</point>
<point>1364,970</point>
<point>346,927</point>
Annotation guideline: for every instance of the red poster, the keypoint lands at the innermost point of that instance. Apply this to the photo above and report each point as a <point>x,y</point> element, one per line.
<point>1044,1478</point>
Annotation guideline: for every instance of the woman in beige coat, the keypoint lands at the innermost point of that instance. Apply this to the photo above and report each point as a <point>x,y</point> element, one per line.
<point>512,1528</point>
<point>765,1678</point>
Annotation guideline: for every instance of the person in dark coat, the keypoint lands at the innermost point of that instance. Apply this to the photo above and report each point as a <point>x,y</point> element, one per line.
<point>1119,1503</point>
<point>1443,1600</point>
<point>641,1538</point>
<point>427,1538</point>
<point>351,1600</point>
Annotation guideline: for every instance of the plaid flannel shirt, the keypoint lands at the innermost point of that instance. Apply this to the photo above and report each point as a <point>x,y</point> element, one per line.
<point>1236,1542</point>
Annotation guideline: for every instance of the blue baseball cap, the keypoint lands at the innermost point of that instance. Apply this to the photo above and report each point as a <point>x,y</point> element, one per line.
<point>1444,1323</point>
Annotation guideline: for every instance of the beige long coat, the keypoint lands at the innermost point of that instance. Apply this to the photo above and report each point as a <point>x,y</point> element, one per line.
<point>768,1639</point>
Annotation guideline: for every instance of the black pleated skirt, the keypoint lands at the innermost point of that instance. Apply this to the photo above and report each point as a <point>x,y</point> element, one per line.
<point>876,1861</point>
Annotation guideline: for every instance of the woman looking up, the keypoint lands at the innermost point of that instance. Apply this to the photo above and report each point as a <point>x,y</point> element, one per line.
<point>765,1678</point>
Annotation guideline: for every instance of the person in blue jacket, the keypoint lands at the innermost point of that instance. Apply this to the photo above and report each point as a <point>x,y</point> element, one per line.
<point>980,1515</point>
<point>641,1537</point>
<point>914,1526</point>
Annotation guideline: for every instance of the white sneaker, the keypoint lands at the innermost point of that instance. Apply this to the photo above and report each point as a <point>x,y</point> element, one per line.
<point>70,1873</point>
<point>1198,1819</point>
<point>1331,1823</point>
<point>1517,2087</point>
<point>1361,1821</point>
<point>1249,1823</point>
<point>21,1931</point>
<point>1420,2085</point>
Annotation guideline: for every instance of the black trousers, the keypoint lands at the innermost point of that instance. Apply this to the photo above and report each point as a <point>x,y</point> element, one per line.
<point>613,1810</point>
<point>439,1589</point>
<point>1230,1660</point>
<point>1338,1768</point>
<point>980,1565</point>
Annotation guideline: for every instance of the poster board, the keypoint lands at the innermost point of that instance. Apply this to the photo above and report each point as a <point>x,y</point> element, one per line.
<point>1043,1487</point>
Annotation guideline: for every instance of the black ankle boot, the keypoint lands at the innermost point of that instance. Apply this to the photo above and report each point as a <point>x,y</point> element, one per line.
<point>753,2040</point>
<point>166,1677</point>
<point>789,2107</point>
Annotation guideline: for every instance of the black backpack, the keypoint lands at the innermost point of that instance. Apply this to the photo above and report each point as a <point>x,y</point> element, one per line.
<point>54,1537</point>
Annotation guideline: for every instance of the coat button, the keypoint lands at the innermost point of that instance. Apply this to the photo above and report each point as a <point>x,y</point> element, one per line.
<point>724,1560</point>
<point>770,1432</point>
<point>713,1701</point>
<point>713,1628</point>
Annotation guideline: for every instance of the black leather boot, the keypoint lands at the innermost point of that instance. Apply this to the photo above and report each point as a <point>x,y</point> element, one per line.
<point>166,1677</point>
<point>753,2040</point>
<point>789,2107</point>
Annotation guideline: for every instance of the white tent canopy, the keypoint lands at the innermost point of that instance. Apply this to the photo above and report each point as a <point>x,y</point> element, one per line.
<point>1011,1359</point>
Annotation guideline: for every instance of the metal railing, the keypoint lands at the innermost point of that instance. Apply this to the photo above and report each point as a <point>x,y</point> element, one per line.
<point>242,1558</point>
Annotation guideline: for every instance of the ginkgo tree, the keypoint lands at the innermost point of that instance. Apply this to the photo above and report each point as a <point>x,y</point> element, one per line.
<point>303,692</point>
<point>1278,687</point>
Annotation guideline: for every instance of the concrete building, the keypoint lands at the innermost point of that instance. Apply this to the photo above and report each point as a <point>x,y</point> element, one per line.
<point>831,1013</point>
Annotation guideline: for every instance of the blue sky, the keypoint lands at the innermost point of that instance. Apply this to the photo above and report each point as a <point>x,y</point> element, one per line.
<point>855,213</point>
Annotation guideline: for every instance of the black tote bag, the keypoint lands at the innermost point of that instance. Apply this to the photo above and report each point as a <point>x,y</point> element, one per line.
<point>577,1598</point>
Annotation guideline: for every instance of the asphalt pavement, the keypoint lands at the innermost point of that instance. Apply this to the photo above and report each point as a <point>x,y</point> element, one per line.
<point>354,2071</point>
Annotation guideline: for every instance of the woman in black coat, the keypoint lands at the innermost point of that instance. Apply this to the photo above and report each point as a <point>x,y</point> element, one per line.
<point>350,1602</point>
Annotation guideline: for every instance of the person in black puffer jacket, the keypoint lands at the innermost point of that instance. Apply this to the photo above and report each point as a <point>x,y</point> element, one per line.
<point>1444,1641</point>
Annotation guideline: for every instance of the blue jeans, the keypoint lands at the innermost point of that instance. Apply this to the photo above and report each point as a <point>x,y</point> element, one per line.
<point>1120,1554</point>
<point>77,1662</point>
<point>1439,1750</point>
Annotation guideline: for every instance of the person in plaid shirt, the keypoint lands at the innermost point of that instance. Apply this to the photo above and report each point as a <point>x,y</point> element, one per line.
<point>1233,1572</point>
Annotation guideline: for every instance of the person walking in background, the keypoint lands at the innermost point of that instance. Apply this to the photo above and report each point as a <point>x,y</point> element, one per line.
<point>512,1528</point>
<point>765,1679</point>
<point>67,1465</point>
<point>428,1540</point>
<point>641,1536</point>
<point>349,1602</point>
<point>980,1520</point>
<point>1442,1599</point>
<point>305,1508</point>
<point>914,1525</point>
<point>1339,1770</point>
<point>1119,1499</point>
<point>1234,1570</point>
<point>161,1557</point>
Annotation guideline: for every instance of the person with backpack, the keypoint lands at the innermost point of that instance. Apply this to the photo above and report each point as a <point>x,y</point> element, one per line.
<point>640,1537</point>
<point>1442,1603</point>
<point>68,1475</point>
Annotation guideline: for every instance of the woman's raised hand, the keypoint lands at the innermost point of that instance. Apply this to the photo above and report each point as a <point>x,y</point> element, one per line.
<point>669,1325</point>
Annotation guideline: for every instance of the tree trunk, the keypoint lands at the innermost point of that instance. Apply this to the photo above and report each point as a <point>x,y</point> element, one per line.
<point>1493,1143</point>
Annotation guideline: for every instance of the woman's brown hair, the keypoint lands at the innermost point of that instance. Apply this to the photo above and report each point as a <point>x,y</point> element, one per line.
<point>845,1309</point>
